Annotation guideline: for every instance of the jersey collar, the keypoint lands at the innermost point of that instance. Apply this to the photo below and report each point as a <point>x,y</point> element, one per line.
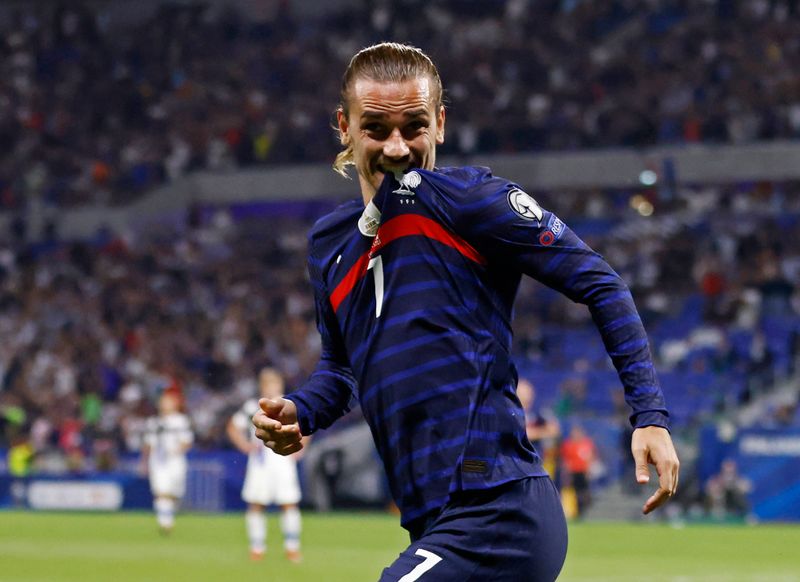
<point>370,219</point>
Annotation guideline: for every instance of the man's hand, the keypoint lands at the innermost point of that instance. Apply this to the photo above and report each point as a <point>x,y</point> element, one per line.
<point>276,425</point>
<point>653,445</point>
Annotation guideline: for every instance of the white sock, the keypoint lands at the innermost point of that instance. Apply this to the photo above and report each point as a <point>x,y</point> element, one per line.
<point>290,526</point>
<point>165,511</point>
<point>256,530</point>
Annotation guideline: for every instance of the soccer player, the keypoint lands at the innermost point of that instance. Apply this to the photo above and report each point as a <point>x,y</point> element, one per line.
<point>414,288</point>
<point>167,438</point>
<point>270,478</point>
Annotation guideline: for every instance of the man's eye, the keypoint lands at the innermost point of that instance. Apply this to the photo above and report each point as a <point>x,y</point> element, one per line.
<point>373,127</point>
<point>417,125</point>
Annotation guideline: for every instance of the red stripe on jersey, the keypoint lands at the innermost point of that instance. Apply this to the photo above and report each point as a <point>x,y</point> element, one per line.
<point>399,227</point>
<point>355,273</point>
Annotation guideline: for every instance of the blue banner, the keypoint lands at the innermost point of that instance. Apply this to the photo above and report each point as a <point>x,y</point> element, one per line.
<point>214,483</point>
<point>770,459</point>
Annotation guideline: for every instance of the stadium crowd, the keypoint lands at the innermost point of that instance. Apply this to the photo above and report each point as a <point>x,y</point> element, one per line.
<point>95,331</point>
<point>93,111</point>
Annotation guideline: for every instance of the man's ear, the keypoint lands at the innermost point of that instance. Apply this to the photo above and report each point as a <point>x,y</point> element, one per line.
<point>344,126</point>
<point>440,125</point>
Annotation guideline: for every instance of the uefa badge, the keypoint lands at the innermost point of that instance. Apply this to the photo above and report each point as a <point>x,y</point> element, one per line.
<point>524,205</point>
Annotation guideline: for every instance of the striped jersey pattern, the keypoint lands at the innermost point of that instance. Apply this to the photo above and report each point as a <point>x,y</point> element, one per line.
<point>414,297</point>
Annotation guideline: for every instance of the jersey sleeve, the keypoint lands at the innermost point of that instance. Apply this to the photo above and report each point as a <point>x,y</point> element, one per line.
<point>329,393</point>
<point>510,228</point>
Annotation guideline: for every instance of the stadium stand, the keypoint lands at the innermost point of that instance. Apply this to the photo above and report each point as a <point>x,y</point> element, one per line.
<point>97,111</point>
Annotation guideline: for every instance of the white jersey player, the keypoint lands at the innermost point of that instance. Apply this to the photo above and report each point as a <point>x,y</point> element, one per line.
<point>271,479</point>
<point>167,438</point>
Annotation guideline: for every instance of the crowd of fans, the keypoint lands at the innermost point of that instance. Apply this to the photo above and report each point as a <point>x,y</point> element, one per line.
<point>95,331</point>
<point>95,111</point>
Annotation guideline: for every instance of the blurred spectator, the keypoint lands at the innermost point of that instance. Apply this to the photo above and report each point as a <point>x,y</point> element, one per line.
<point>12,417</point>
<point>759,367</point>
<point>788,415</point>
<point>726,492</point>
<point>20,464</point>
<point>572,396</point>
<point>578,454</point>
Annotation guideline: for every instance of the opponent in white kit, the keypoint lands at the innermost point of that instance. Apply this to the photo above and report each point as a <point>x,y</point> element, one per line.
<point>167,438</point>
<point>271,479</point>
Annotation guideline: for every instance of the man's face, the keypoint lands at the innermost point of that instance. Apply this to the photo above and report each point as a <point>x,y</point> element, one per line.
<point>392,127</point>
<point>168,404</point>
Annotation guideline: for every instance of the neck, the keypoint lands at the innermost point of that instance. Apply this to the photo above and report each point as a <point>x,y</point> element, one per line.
<point>367,190</point>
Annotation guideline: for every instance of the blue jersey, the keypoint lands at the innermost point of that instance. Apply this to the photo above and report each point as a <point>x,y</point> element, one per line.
<point>414,298</point>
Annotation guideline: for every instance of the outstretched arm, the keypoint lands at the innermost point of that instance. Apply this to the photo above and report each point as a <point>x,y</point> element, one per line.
<point>616,317</point>
<point>535,242</point>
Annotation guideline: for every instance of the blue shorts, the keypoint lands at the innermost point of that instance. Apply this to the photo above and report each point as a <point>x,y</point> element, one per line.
<point>512,533</point>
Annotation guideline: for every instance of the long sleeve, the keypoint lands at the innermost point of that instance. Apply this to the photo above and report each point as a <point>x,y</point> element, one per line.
<point>510,227</point>
<point>329,392</point>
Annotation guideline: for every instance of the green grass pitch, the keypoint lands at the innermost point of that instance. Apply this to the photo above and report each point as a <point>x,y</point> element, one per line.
<point>352,547</point>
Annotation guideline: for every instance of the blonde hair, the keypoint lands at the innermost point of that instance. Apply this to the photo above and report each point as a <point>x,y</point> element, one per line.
<point>387,62</point>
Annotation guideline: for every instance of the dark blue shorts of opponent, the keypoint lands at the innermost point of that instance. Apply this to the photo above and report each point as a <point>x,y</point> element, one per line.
<point>512,533</point>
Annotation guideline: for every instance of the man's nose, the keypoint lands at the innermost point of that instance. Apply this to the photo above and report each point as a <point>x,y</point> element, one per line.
<point>395,147</point>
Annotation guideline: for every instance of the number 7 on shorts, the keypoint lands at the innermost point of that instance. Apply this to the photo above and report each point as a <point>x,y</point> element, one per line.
<point>429,562</point>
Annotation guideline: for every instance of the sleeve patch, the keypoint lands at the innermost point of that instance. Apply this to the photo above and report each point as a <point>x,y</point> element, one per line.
<point>524,205</point>
<point>554,230</point>
<point>555,225</point>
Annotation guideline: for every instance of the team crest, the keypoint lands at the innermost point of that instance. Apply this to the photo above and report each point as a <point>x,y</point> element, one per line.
<point>524,205</point>
<point>407,183</point>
